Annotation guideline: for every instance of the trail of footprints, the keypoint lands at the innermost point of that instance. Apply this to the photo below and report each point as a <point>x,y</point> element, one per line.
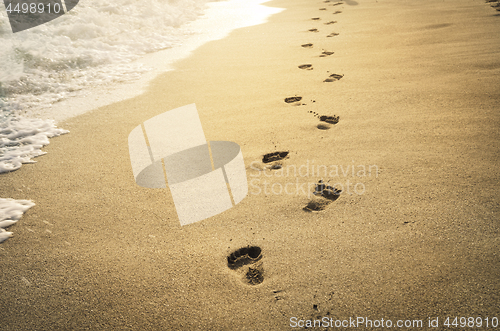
<point>494,4</point>
<point>324,194</point>
<point>296,100</point>
<point>246,261</point>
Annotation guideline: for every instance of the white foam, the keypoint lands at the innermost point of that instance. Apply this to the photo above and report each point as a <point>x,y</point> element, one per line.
<point>101,43</point>
<point>11,211</point>
<point>73,64</point>
<point>219,20</point>
<point>94,44</point>
<point>21,139</point>
<point>89,57</point>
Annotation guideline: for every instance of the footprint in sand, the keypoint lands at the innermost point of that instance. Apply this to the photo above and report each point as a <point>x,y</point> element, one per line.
<point>306,66</point>
<point>333,78</point>
<point>322,9</point>
<point>307,45</point>
<point>337,3</point>
<point>337,12</point>
<point>315,18</point>
<point>313,30</point>
<point>331,22</point>
<point>494,4</point>
<point>328,120</point>
<point>293,100</point>
<point>333,34</point>
<point>324,195</point>
<point>245,261</point>
<point>326,53</point>
<point>275,156</point>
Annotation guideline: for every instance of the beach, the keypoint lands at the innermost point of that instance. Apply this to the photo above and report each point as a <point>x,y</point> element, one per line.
<point>413,236</point>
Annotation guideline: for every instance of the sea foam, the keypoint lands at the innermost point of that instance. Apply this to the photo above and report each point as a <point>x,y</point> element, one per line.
<point>98,44</point>
<point>93,44</point>
<point>11,211</point>
<point>21,139</point>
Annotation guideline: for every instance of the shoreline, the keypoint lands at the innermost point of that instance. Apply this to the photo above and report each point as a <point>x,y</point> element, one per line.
<point>417,97</point>
<point>159,62</point>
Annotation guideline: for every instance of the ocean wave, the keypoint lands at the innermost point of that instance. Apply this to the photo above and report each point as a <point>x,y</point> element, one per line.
<point>94,44</point>
<point>22,139</point>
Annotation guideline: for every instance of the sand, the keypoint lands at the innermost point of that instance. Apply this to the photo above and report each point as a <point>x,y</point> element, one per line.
<point>414,234</point>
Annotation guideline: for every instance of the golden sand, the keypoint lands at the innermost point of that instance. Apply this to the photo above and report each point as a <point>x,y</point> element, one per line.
<point>413,235</point>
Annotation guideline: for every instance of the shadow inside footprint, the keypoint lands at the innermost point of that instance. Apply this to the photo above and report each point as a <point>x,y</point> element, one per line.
<point>315,18</point>
<point>276,156</point>
<point>313,30</point>
<point>331,22</point>
<point>307,45</point>
<point>333,34</point>
<point>243,256</point>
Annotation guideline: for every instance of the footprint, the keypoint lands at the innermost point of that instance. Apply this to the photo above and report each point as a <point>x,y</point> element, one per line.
<point>329,119</point>
<point>247,256</point>
<point>315,18</point>
<point>322,9</point>
<point>333,78</point>
<point>313,30</point>
<point>327,191</point>
<point>337,3</point>
<point>337,12</point>
<point>275,156</point>
<point>307,45</point>
<point>316,205</point>
<point>333,34</point>
<point>324,195</point>
<point>306,66</point>
<point>326,53</point>
<point>331,22</point>
<point>292,99</point>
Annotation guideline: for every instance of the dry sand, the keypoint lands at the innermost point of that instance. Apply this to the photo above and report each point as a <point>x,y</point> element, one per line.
<point>419,102</point>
